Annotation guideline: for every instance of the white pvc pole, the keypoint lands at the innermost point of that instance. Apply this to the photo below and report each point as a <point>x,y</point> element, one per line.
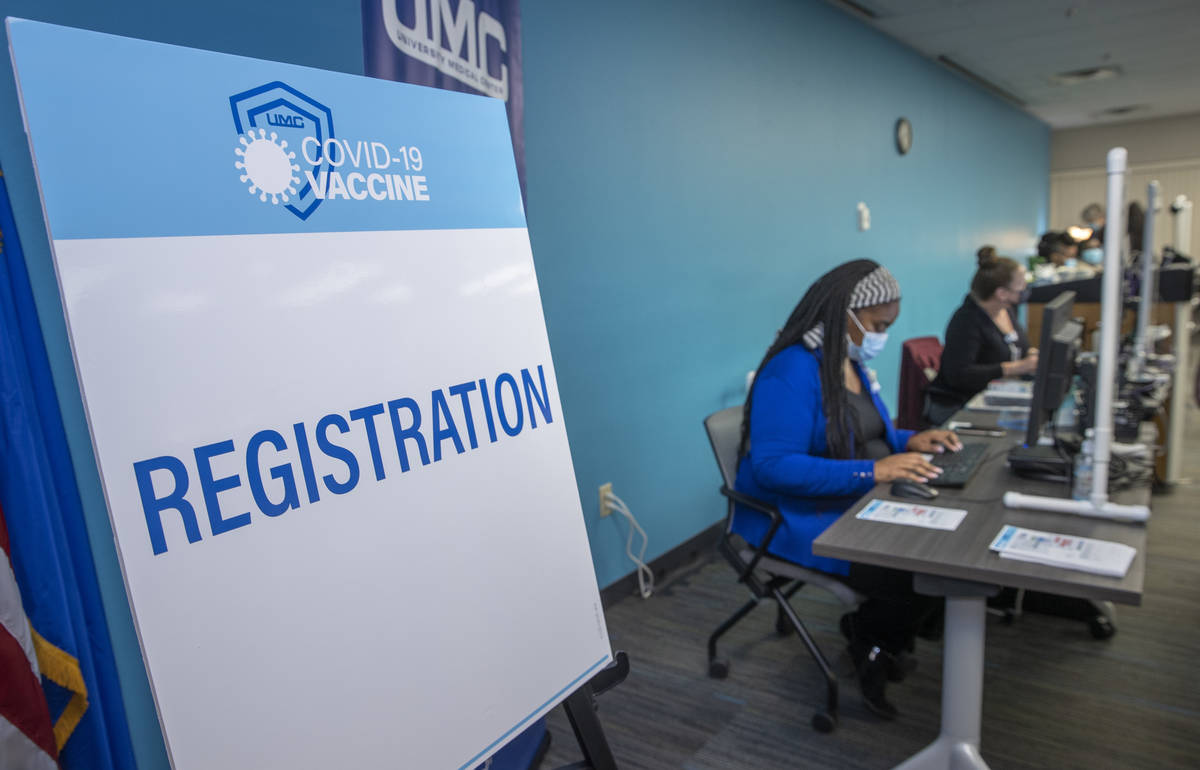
<point>1183,225</point>
<point>1111,309</point>
<point>1143,318</point>
<point>1180,387</point>
<point>1180,390</point>
<point>1078,507</point>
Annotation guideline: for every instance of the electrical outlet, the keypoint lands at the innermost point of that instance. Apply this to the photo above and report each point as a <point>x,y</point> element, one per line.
<point>605,506</point>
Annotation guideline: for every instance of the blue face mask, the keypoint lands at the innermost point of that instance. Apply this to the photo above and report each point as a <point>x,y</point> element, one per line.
<point>872,344</point>
<point>1093,256</point>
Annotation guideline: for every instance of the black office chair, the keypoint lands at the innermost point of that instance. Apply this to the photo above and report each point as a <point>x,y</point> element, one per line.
<point>767,576</point>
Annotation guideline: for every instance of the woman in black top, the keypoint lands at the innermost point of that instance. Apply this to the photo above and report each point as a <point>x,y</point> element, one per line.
<point>984,339</point>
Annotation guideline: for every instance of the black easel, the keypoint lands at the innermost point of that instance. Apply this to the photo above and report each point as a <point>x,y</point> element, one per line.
<point>581,711</point>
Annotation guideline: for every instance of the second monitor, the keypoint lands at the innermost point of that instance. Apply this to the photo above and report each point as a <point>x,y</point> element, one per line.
<point>1061,337</point>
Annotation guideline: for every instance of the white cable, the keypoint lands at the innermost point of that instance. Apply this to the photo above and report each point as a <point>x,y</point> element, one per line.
<point>645,575</point>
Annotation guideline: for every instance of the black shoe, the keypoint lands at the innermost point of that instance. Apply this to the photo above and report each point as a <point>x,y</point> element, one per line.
<point>872,679</point>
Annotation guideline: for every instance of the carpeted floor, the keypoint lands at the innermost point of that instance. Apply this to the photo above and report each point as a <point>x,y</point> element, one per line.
<point>1054,697</point>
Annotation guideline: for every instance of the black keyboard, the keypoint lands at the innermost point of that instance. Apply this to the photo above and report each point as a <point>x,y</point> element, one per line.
<point>958,467</point>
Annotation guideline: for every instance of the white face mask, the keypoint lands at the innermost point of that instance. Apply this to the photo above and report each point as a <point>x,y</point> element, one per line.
<point>872,344</point>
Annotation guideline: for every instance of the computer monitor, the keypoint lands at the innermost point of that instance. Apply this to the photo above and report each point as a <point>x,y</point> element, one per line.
<point>1085,289</point>
<point>1057,349</point>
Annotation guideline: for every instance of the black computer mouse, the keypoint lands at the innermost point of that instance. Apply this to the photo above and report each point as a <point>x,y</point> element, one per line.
<point>913,490</point>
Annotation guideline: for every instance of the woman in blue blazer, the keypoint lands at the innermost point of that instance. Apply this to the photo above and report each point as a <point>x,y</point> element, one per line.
<point>816,437</point>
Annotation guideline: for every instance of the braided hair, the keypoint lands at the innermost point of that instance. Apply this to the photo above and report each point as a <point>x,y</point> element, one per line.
<point>820,318</point>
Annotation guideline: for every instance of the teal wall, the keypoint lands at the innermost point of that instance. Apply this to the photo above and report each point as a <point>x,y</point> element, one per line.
<point>692,167</point>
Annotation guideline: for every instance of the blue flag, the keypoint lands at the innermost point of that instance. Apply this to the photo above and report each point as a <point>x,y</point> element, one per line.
<point>51,556</point>
<point>470,47</point>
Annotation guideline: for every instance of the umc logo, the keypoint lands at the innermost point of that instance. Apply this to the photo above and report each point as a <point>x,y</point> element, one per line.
<point>290,121</point>
<point>272,121</point>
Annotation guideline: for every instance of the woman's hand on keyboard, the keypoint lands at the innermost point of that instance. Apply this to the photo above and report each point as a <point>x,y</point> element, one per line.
<point>934,442</point>
<point>905,465</point>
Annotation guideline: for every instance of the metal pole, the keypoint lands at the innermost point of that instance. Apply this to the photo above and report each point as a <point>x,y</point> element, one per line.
<point>962,666</point>
<point>1183,225</point>
<point>1181,389</point>
<point>1143,319</point>
<point>1180,385</point>
<point>1110,312</point>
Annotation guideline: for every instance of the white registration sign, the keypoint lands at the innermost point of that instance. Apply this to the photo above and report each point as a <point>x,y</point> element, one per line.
<point>310,342</point>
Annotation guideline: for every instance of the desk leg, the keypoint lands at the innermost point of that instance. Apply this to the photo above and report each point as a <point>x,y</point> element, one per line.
<point>957,746</point>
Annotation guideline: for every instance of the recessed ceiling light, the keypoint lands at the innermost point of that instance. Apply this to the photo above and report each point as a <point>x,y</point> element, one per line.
<point>1074,77</point>
<point>1122,110</point>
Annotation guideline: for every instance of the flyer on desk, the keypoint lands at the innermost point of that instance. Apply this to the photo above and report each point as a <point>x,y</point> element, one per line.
<point>309,337</point>
<point>912,514</point>
<point>1101,557</point>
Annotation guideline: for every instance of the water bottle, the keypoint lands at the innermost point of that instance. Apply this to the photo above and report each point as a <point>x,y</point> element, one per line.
<point>1082,488</point>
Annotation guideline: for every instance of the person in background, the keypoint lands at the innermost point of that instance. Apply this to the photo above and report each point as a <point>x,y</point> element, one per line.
<point>1093,217</point>
<point>816,436</point>
<point>1093,257</point>
<point>1060,249</point>
<point>984,339</point>
<point>1135,227</point>
<point>1092,251</point>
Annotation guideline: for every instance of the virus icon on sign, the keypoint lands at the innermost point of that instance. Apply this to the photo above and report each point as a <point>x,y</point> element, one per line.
<point>267,166</point>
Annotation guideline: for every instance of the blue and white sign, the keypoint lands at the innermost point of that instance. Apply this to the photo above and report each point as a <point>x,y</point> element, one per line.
<point>308,332</point>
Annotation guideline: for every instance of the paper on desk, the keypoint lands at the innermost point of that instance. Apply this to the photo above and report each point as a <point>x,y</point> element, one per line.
<point>1008,393</point>
<point>979,403</point>
<point>1012,387</point>
<point>912,515</point>
<point>1100,557</point>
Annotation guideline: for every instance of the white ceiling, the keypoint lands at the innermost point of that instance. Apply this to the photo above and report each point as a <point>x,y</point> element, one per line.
<point>1019,45</point>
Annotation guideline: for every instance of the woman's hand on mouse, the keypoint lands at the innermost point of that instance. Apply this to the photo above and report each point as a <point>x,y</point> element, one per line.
<point>934,442</point>
<point>906,465</point>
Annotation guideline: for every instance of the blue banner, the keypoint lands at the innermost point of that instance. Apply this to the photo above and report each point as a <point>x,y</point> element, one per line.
<point>474,47</point>
<point>51,556</point>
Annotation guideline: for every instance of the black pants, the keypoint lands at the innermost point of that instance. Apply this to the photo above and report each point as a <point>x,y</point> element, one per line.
<point>893,611</point>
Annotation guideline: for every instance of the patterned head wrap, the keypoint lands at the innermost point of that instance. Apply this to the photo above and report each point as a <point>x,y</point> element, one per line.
<point>879,287</point>
<point>876,288</point>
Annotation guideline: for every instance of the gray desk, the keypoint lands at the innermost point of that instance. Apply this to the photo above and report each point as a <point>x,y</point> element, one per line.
<point>959,566</point>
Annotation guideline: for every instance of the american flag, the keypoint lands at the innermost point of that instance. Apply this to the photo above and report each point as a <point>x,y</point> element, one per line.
<point>26,732</point>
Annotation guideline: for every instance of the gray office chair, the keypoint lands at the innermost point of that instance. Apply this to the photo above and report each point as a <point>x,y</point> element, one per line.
<point>765,575</point>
